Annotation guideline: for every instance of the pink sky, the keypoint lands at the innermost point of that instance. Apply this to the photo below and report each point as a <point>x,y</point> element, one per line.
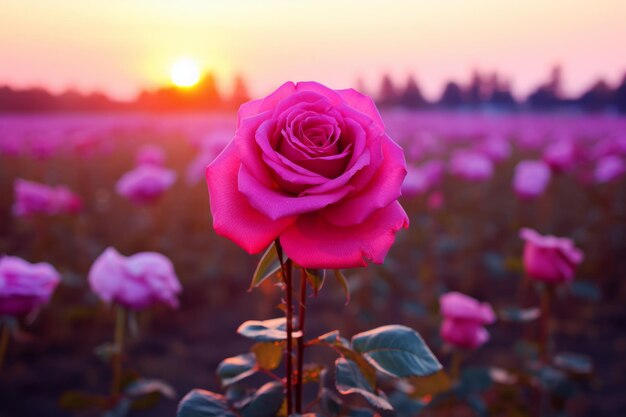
<point>122,46</point>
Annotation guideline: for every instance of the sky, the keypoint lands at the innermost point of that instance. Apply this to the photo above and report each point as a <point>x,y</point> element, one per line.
<point>122,46</point>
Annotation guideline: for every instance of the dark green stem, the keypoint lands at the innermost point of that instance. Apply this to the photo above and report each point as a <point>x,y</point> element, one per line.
<point>301,317</point>
<point>286,271</point>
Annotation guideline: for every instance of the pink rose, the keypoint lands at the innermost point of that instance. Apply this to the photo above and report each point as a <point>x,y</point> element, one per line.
<point>315,168</point>
<point>548,258</point>
<point>32,198</point>
<point>561,155</point>
<point>134,282</point>
<point>471,165</point>
<point>609,168</point>
<point>145,184</point>
<point>496,148</point>
<point>531,179</point>
<point>25,286</point>
<point>421,179</point>
<point>464,318</point>
<point>435,201</point>
<point>150,155</point>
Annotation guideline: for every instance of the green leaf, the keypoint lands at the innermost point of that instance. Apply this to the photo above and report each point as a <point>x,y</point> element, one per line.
<point>78,400</point>
<point>272,330</point>
<point>234,369</point>
<point>474,380</point>
<point>316,277</point>
<point>268,354</point>
<point>268,265</point>
<point>343,281</point>
<point>148,386</point>
<point>397,351</point>
<point>330,337</point>
<point>432,384</point>
<point>519,315</point>
<point>573,362</point>
<point>350,380</point>
<point>330,403</point>
<point>266,401</point>
<point>586,290</point>
<point>202,403</point>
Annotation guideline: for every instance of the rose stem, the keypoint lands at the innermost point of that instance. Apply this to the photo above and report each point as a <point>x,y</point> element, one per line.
<point>286,270</point>
<point>301,317</point>
<point>4,342</point>
<point>544,341</point>
<point>120,321</point>
<point>455,365</point>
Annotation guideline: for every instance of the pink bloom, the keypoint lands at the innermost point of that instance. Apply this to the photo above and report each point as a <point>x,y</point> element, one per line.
<point>435,201</point>
<point>561,155</point>
<point>145,184</point>
<point>609,168</point>
<point>25,286</point>
<point>135,282</point>
<point>464,318</point>
<point>150,155</point>
<point>471,165</point>
<point>496,148</point>
<point>421,179</point>
<point>33,198</point>
<point>531,179</point>
<point>314,167</point>
<point>549,259</point>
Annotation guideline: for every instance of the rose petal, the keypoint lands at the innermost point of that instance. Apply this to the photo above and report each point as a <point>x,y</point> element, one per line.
<point>233,216</point>
<point>313,243</point>
<point>277,205</point>
<point>381,191</point>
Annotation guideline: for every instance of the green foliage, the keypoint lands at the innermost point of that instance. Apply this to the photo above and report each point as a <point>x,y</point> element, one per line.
<point>343,281</point>
<point>574,363</point>
<point>397,351</point>
<point>268,354</point>
<point>272,330</point>
<point>316,278</point>
<point>349,380</point>
<point>234,369</point>
<point>266,401</point>
<point>520,315</point>
<point>268,265</point>
<point>202,403</point>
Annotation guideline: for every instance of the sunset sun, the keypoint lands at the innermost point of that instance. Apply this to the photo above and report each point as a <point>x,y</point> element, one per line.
<point>185,72</point>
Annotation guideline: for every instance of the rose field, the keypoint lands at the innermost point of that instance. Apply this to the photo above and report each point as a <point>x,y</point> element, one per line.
<point>499,292</point>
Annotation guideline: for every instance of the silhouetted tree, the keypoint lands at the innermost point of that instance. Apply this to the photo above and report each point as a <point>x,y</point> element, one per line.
<point>598,97</point>
<point>412,96</point>
<point>452,95</point>
<point>619,96</point>
<point>388,95</point>
<point>240,92</point>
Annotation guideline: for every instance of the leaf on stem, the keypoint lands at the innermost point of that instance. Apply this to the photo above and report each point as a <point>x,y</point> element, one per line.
<point>266,401</point>
<point>316,277</point>
<point>202,403</point>
<point>272,330</point>
<point>397,351</point>
<point>268,265</point>
<point>268,354</point>
<point>432,384</point>
<point>350,380</point>
<point>149,386</point>
<point>234,369</point>
<point>343,281</point>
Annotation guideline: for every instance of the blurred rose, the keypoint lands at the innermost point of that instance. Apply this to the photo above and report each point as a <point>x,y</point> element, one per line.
<point>496,148</point>
<point>25,286</point>
<point>609,168</point>
<point>471,165</point>
<point>464,318</point>
<point>531,179</point>
<point>145,184</point>
<point>561,155</point>
<point>150,155</point>
<point>435,201</point>
<point>421,179</point>
<point>33,198</point>
<point>134,282</point>
<point>548,258</point>
<point>314,167</point>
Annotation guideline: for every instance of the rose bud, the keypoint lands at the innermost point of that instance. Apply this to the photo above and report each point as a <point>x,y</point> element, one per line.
<point>471,166</point>
<point>464,318</point>
<point>32,198</point>
<point>135,282</point>
<point>531,179</point>
<point>145,184</point>
<point>150,155</point>
<point>549,259</point>
<point>25,286</point>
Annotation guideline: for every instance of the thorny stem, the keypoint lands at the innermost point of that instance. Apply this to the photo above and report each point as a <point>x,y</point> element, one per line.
<point>286,272</point>
<point>4,342</point>
<point>545,331</point>
<point>301,317</point>
<point>120,324</point>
